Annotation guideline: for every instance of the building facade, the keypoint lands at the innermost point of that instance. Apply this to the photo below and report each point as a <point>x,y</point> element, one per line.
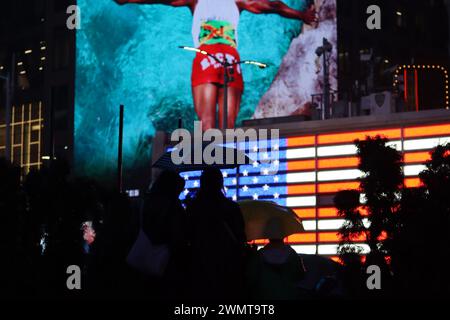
<point>37,54</point>
<point>413,32</point>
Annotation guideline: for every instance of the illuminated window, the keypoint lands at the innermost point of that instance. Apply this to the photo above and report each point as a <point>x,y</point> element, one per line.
<point>26,136</point>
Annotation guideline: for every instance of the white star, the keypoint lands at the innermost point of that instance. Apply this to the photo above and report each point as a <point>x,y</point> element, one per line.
<point>276,195</point>
<point>234,197</point>
<point>255,164</point>
<point>255,180</point>
<point>276,147</point>
<point>195,183</point>
<point>265,187</point>
<point>245,173</point>
<point>255,148</point>
<point>226,189</point>
<point>186,191</point>
<point>265,155</point>
<point>225,174</point>
<point>245,188</point>
<point>266,172</point>
<point>276,163</point>
<point>186,177</point>
<point>275,179</point>
<point>234,181</point>
<point>255,196</point>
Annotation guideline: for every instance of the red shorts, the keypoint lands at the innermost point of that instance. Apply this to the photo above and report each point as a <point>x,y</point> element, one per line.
<point>206,70</point>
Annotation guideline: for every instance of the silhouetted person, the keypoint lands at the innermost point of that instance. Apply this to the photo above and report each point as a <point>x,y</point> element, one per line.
<point>108,274</point>
<point>275,272</point>
<point>164,222</point>
<point>217,241</point>
<point>12,207</point>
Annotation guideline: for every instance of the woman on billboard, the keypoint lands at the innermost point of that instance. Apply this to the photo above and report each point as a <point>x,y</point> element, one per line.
<point>214,29</point>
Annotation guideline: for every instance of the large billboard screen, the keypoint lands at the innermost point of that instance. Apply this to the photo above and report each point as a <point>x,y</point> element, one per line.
<point>128,53</point>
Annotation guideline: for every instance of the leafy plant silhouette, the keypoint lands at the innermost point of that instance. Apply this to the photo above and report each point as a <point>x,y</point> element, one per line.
<point>409,227</point>
<point>381,185</point>
<point>419,247</point>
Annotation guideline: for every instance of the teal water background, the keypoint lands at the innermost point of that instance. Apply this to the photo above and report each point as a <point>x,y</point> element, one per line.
<point>128,55</point>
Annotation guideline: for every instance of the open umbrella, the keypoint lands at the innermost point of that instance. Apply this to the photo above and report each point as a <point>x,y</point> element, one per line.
<point>224,155</point>
<point>318,268</point>
<point>268,220</point>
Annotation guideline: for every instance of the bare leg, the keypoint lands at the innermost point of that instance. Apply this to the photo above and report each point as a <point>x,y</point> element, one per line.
<point>205,101</point>
<point>234,101</point>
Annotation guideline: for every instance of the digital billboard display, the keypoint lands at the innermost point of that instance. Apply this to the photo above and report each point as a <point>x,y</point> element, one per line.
<point>128,53</point>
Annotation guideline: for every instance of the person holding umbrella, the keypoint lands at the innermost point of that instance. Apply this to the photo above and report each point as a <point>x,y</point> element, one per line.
<point>276,270</point>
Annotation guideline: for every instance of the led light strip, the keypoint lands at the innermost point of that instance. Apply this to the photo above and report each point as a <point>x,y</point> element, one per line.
<point>307,201</point>
<point>305,249</point>
<point>413,170</point>
<point>424,144</point>
<point>301,177</point>
<point>346,137</point>
<point>328,224</point>
<point>300,153</point>
<point>337,175</point>
<point>332,249</point>
<point>345,149</point>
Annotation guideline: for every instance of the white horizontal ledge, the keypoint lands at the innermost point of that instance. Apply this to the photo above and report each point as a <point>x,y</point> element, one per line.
<point>301,201</point>
<point>424,144</point>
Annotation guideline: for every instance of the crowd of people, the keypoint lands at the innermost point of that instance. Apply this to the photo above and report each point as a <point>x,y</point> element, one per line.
<point>209,255</point>
<point>52,221</point>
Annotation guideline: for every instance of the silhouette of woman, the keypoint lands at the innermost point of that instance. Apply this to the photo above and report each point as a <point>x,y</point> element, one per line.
<point>214,29</point>
<point>217,236</point>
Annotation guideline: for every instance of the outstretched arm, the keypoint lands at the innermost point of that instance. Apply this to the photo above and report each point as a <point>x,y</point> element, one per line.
<point>277,7</point>
<point>173,3</point>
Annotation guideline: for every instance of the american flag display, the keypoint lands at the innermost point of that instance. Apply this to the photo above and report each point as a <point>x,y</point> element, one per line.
<point>305,172</point>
